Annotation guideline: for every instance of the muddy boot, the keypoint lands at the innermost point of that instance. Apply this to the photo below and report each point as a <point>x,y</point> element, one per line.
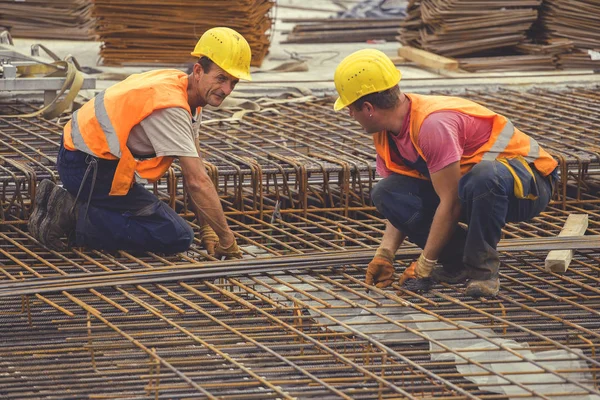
<point>40,203</point>
<point>487,288</point>
<point>60,219</point>
<point>452,276</point>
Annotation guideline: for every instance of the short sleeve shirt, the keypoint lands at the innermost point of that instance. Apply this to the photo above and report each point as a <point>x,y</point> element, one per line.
<point>165,132</point>
<point>445,136</point>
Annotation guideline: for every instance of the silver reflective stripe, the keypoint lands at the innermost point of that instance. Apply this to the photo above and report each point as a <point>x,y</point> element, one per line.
<point>78,141</point>
<point>534,150</point>
<point>139,179</point>
<point>109,132</point>
<point>501,142</point>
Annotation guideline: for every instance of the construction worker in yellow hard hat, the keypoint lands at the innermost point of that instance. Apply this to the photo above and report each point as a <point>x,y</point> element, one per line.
<point>128,135</point>
<point>443,160</point>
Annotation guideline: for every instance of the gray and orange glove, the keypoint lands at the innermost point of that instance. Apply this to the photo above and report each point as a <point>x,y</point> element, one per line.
<point>381,269</point>
<point>209,239</point>
<point>416,277</point>
<point>229,253</point>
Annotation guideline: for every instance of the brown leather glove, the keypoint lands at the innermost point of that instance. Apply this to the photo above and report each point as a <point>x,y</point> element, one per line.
<point>381,269</point>
<point>230,253</point>
<point>208,238</point>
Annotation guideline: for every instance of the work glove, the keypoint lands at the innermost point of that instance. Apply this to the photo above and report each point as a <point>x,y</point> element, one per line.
<point>381,269</point>
<point>230,253</point>
<point>416,277</point>
<point>209,239</point>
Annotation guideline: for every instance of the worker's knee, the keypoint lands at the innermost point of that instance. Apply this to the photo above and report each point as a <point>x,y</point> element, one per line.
<point>160,229</point>
<point>176,235</point>
<point>484,178</point>
<point>395,200</point>
<point>389,189</point>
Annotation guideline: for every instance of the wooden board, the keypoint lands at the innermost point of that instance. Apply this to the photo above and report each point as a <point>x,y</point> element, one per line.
<point>427,59</point>
<point>558,260</point>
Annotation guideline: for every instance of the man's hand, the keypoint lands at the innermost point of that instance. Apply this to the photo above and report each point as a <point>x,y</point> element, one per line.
<point>209,239</point>
<point>416,277</point>
<point>231,252</point>
<point>381,269</point>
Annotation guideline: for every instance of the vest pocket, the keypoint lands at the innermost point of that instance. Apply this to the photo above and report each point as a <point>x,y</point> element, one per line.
<point>525,185</point>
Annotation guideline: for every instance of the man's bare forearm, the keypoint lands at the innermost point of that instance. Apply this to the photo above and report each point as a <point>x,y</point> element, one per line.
<point>207,207</point>
<point>392,238</point>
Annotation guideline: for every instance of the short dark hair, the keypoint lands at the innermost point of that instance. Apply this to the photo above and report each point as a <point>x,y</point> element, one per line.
<point>386,99</point>
<point>206,63</point>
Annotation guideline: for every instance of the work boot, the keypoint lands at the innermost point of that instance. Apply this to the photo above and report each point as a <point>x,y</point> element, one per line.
<point>40,203</point>
<point>452,276</point>
<point>487,288</point>
<point>60,219</point>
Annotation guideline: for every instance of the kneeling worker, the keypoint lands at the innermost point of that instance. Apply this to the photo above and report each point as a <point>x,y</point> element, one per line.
<point>130,133</point>
<point>444,160</point>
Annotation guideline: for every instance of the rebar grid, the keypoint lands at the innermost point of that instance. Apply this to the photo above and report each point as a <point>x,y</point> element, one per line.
<point>295,233</point>
<point>301,333</point>
<point>310,333</point>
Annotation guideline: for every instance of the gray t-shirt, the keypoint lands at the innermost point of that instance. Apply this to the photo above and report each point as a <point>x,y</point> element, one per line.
<point>165,132</point>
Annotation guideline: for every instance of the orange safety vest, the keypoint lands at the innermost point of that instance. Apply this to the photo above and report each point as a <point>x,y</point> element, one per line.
<point>506,141</point>
<point>102,126</point>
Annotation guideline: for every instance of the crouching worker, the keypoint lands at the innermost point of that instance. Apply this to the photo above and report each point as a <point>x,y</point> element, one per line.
<point>444,160</point>
<point>129,134</point>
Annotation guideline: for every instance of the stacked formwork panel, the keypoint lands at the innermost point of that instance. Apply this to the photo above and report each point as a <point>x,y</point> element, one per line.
<point>91,324</point>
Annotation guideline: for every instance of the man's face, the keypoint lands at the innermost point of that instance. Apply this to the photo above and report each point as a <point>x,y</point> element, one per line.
<point>215,85</point>
<point>365,118</point>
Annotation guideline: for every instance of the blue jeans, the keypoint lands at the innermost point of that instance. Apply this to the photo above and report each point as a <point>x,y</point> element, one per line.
<point>136,222</point>
<point>488,203</point>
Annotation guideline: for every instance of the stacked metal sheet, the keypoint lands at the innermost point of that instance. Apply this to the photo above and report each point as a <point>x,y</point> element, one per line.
<point>57,19</point>
<point>578,21</point>
<point>165,32</point>
<point>342,30</point>
<point>464,27</point>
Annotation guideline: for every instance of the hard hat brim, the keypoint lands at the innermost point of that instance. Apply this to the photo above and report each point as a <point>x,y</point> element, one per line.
<point>237,74</point>
<point>339,104</point>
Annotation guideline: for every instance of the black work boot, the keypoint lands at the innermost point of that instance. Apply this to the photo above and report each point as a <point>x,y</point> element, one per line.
<point>486,288</point>
<point>60,219</point>
<point>452,276</point>
<point>40,203</point>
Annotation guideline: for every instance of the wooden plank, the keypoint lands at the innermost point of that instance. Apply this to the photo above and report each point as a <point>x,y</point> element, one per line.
<point>428,59</point>
<point>558,260</point>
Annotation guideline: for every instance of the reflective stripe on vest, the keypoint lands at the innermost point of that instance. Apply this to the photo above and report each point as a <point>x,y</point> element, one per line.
<point>78,141</point>
<point>104,121</point>
<point>503,140</point>
<point>109,132</point>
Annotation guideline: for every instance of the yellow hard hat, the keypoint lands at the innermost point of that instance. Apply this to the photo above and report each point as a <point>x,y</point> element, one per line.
<point>226,48</point>
<point>361,73</point>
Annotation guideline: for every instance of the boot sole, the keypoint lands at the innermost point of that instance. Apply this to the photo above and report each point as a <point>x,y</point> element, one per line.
<point>42,196</point>
<point>477,292</point>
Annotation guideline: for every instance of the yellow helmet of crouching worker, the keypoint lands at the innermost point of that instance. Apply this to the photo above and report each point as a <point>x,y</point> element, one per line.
<point>226,48</point>
<point>363,72</point>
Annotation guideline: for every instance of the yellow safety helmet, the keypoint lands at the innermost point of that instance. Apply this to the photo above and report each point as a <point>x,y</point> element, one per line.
<point>361,73</point>
<point>226,48</point>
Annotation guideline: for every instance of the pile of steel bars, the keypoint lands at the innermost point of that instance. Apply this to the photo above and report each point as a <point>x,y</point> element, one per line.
<point>576,20</point>
<point>165,32</point>
<point>41,19</point>
<point>465,27</point>
<point>328,30</point>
